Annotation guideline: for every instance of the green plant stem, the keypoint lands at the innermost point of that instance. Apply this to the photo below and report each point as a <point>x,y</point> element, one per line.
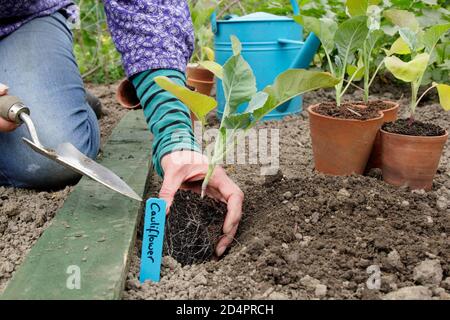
<point>330,65</point>
<point>414,92</point>
<point>208,176</point>
<point>366,85</point>
<point>375,74</point>
<point>349,82</point>
<point>423,95</point>
<point>338,89</point>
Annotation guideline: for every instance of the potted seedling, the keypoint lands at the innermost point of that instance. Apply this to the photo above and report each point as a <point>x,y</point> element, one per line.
<point>411,149</point>
<point>199,77</point>
<point>239,85</point>
<point>365,70</point>
<point>342,133</point>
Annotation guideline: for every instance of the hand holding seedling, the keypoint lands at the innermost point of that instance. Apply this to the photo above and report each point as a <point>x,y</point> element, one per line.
<point>186,170</point>
<point>5,125</point>
<point>239,86</point>
<point>204,175</point>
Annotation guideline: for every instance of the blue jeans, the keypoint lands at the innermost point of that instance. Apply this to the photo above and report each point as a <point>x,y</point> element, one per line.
<point>38,65</point>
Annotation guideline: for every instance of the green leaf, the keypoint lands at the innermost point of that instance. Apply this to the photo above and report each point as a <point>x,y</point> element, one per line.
<point>403,19</point>
<point>236,45</point>
<point>237,121</point>
<point>257,101</point>
<point>201,12</point>
<point>324,29</point>
<point>290,84</point>
<point>372,39</point>
<point>444,96</point>
<point>411,39</point>
<point>356,71</point>
<point>399,47</point>
<point>350,37</point>
<point>199,104</point>
<point>214,67</point>
<point>445,65</point>
<point>239,83</point>
<point>433,34</point>
<point>374,15</point>
<point>357,7</point>
<point>209,53</point>
<point>408,71</point>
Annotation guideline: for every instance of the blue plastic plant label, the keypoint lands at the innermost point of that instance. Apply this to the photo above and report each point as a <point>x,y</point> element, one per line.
<point>152,241</point>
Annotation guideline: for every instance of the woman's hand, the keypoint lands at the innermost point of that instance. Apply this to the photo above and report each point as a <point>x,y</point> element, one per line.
<point>186,170</point>
<point>5,125</point>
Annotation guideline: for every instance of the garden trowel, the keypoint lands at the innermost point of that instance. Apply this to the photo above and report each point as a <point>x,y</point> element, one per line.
<point>12,109</point>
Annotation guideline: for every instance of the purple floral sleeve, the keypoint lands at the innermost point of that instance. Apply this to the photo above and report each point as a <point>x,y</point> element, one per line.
<point>151,34</point>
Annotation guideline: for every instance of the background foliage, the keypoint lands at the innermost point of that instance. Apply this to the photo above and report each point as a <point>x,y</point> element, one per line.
<point>99,62</point>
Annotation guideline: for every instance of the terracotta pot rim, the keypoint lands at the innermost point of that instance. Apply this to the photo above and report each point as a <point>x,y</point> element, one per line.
<point>389,102</point>
<point>408,137</point>
<point>311,111</point>
<point>197,66</point>
<point>200,81</point>
<point>121,101</point>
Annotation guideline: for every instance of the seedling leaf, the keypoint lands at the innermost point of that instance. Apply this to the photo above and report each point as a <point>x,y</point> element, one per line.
<point>237,121</point>
<point>350,36</point>
<point>410,71</point>
<point>433,34</point>
<point>257,101</point>
<point>399,47</point>
<point>214,67</point>
<point>236,45</point>
<point>444,96</point>
<point>198,103</point>
<point>357,7</point>
<point>403,19</point>
<point>411,38</point>
<point>239,83</point>
<point>325,29</point>
<point>209,53</point>
<point>290,84</point>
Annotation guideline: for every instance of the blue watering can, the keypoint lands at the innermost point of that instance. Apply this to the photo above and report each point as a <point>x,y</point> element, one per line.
<point>271,44</point>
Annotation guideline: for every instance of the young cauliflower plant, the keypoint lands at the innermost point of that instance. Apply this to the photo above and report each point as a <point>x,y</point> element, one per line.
<point>239,86</point>
<point>420,45</point>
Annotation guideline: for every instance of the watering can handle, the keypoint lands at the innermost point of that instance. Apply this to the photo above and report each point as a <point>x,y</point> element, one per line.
<point>295,7</point>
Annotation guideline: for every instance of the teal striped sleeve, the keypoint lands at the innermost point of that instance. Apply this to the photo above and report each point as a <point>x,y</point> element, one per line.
<point>167,117</point>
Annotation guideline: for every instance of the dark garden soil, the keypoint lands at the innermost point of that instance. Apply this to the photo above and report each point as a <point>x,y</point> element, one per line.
<point>193,228</point>
<point>25,214</point>
<point>347,110</point>
<point>378,105</point>
<point>416,128</point>
<point>308,236</point>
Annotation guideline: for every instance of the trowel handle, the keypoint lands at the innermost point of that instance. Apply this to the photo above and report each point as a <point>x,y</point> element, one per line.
<point>11,107</point>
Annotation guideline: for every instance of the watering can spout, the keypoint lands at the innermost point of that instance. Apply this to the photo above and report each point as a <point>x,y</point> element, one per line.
<point>306,54</point>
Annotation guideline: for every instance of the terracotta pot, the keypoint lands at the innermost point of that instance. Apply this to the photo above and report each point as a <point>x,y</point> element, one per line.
<point>200,78</point>
<point>409,160</point>
<point>127,96</point>
<point>390,115</point>
<point>342,146</point>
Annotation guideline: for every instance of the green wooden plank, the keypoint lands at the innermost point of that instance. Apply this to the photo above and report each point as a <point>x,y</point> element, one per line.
<point>95,230</point>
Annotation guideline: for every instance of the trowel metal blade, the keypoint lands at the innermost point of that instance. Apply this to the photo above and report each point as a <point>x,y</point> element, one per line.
<point>70,157</point>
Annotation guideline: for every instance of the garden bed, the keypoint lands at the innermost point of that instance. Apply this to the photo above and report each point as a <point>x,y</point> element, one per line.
<point>314,236</point>
<point>25,214</point>
<point>305,236</point>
